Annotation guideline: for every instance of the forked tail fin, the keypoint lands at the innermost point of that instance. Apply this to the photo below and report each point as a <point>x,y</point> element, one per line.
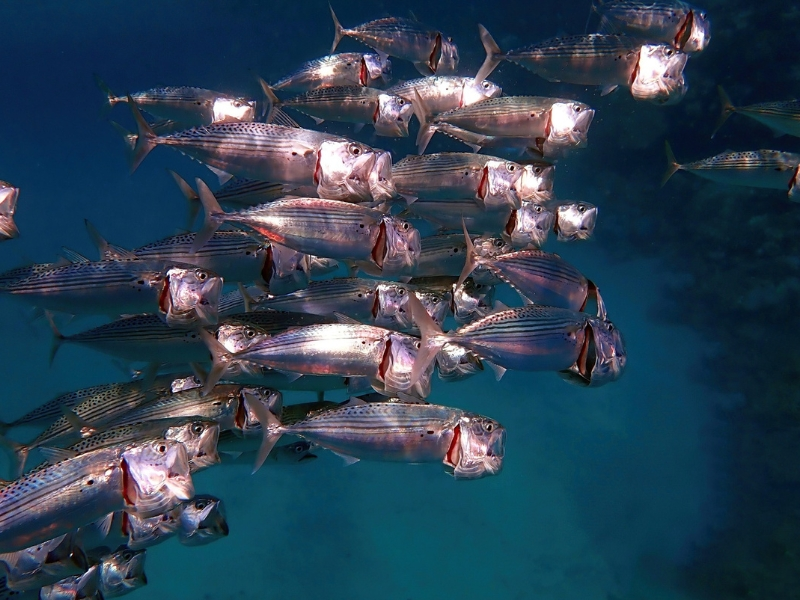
<point>494,56</point>
<point>727,110</point>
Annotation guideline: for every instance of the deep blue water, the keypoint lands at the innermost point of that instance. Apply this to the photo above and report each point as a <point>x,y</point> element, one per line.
<point>605,493</point>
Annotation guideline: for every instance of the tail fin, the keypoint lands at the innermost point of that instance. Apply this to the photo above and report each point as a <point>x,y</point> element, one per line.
<point>58,338</point>
<point>271,100</point>
<point>338,30</point>
<point>220,357</point>
<point>493,54</point>
<point>17,454</point>
<point>426,129</point>
<point>672,165</point>
<point>270,427</point>
<point>471,262</point>
<point>432,338</point>
<point>191,196</point>
<point>111,98</point>
<point>129,138</point>
<point>214,215</point>
<point>145,141</point>
<point>727,109</point>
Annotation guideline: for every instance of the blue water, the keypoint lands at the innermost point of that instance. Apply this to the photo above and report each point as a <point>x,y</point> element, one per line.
<point>606,493</point>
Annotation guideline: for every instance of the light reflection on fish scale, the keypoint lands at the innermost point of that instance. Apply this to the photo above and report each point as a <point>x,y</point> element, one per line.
<point>81,276</point>
<point>577,46</point>
<point>377,417</point>
<point>219,405</point>
<point>222,243</point>
<point>756,159</point>
<point>54,407</point>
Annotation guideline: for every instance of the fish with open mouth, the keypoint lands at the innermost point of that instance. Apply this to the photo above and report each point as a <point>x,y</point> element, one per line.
<point>348,68</point>
<point>75,587</point>
<point>685,27</point>
<point>338,168</point>
<point>202,521</point>
<point>531,338</point>
<point>388,113</point>
<point>8,206</point>
<point>469,445</point>
<point>141,478</point>
<point>430,50</point>
<point>121,572</point>
<point>536,182</point>
<point>189,106</point>
<point>546,125</point>
<point>330,228</point>
<point>652,72</point>
<point>771,169</point>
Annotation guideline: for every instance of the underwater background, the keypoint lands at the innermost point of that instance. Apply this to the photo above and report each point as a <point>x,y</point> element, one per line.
<point>678,481</point>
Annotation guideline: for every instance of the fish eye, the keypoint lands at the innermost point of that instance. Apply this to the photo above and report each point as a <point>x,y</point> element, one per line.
<point>400,101</point>
<point>486,85</point>
<point>488,427</point>
<point>450,40</point>
<point>537,170</point>
<point>511,167</point>
<point>201,504</point>
<point>355,150</point>
<point>669,52</point>
<point>578,108</point>
<point>610,327</point>
<point>162,448</point>
<point>197,428</point>
<point>127,555</point>
<point>537,208</point>
<point>299,449</point>
<point>405,226</point>
<point>250,333</point>
<point>201,275</point>
<point>498,243</point>
<point>401,292</point>
<point>581,208</point>
<point>417,345</point>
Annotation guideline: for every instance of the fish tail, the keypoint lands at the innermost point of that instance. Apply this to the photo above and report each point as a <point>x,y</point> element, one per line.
<point>727,109</point>
<point>220,358</point>
<point>17,454</point>
<point>146,138</point>
<point>493,54</point>
<point>426,129</point>
<point>214,215</point>
<point>192,199</point>
<point>127,137</point>
<point>594,292</point>
<point>471,262</point>
<point>432,339</point>
<point>338,30</point>
<point>271,101</point>
<point>58,338</point>
<point>270,428</point>
<point>111,98</point>
<point>672,164</point>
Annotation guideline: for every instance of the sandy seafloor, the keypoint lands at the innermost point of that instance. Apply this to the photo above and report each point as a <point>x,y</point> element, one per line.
<point>605,492</point>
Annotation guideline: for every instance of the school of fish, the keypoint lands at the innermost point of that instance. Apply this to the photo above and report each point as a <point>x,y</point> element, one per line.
<point>324,264</point>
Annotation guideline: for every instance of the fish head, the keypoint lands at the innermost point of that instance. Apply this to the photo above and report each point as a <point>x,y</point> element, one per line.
<point>659,74</point>
<point>202,521</point>
<point>471,301</point>
<point>391,306</point>
<point>231,110</point>
<point>200,438</point>
<point>122,572</point>
<point>392,117</point>
<point>8,206</point>
<point>488,247</point>
<point>397,364</point>
<point>436,303</point>
<point>190,295</point>
<point>403,247</point>
<point>477,449</point>
<point>247,417</point>
<point>569,125</point>
<point>299,451</point>
<point>475,91</point>
<point>77,586</point>
<point>456,363</point>
<point>143,533</point>
<point>602,358</point>
<point>536,182</point>
<point>381,185</point>
<point>343,170</point>
<point>237,337</point>
<point>695,32</point>
<point>530,225</point>
<point>319,265</point>
<point>375,70</point>
<point>575,221</point>
<point>157,476</point>
<point>182,384</point>
<point>448,60</point>
<point>497,185</point>
<point>288,270</point>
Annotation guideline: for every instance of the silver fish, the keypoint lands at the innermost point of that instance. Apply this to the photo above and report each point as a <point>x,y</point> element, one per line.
<point>8,206</point>
<point>574,221</point>
<point>536,183</point>
<point>488,180</point>
<point>76,587</point>
<point>236,192</point>
<point>454,363</point>
<point>348,68</point>
<point>388,113</point>
<point>756,168</point>
<point>531,338</point>
<point>202,521</point>
<point>443,93</point>
<point>469,445</point>
<point>189,106</point>
<point>429,50</point>
<point>441,255</point>
<point>121,572</point>
<point>74,492</point>
<point>653,72</point>
<point>324,227</point>
<point>180,294</point>
<point>471,301</point>
<point>44,563</point>
<point>782,116</point>
<point>355,297</point>
<point>549,123</point>
<point>140,533</point>
<point>682,25</point>
<point>604,359</point>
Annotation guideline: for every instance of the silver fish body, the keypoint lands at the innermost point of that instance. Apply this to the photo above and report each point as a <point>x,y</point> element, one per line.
<point>140,533</point>
<point>44,563</point>
<point>443,93</point>
<point>239,192</point>
<point>8,206</point>
<point>121,572</point>
<point>469,445</point>
<point>472,301</point>
<point>354,297</point>
<point>75,587</point>
<point>604,359</point>
<point>673,22</point>
<point>536,183</point>
<point>441,255</point>
<point>454,363</point>
<point>782,116</point>
<point>202,521</point>
<point>574,221</point>
<point>348,68</point>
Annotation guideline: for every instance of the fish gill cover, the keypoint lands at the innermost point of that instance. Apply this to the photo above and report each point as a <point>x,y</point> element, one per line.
<point>674,481</point>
